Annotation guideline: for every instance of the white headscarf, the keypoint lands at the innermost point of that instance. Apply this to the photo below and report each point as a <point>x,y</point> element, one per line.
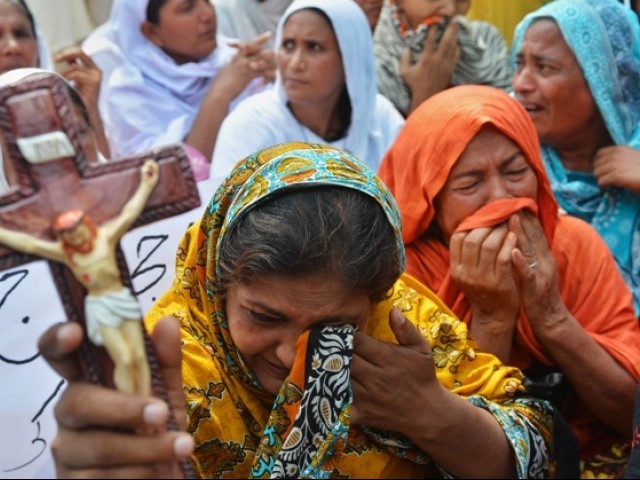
<point>374,121</point>
<point>356,46</point>
<point>152,100</point>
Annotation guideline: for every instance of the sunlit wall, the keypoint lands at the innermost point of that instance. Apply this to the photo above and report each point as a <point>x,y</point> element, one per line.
<point>504,14</point>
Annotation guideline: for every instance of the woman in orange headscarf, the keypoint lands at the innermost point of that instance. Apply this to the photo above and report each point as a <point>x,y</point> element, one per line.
<point>539,289</point>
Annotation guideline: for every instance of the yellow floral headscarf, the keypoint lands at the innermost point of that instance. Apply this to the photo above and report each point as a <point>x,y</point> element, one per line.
<point>235,421</point>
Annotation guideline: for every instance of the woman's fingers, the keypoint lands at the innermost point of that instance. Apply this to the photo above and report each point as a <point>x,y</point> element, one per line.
<point>77,409</point>
<point>102,430</point>
<point>100,449</point>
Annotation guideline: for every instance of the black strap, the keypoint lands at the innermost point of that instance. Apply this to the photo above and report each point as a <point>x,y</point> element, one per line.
<point>553,387</point>
<point>566,451</point>
<point>633,467</point>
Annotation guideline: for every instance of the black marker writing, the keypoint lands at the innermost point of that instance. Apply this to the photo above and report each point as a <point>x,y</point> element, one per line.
<point>142,268</point>
<point>13,279</point>
<point>38,441</point>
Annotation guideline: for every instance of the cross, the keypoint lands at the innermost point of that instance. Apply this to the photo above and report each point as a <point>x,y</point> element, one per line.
<point>45,153</point>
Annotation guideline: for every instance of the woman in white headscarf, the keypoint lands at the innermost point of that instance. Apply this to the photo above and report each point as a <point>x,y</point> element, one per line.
<point>178,79</point>
<point>22,44</point>
<point>325,90</point>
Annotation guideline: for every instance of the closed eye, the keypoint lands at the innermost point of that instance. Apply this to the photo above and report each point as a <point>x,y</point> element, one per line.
<point>263,318</point>
<point>464,188</point>
<point>518,172</point>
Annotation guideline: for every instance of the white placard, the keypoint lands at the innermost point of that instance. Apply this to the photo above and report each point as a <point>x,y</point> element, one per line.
<point>29,304</point>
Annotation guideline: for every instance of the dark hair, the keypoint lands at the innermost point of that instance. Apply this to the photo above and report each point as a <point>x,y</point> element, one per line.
<point>153,10</point>
<point>325,230</point>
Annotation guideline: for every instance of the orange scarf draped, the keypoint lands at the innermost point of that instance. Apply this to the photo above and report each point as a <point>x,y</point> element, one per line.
<point>416,169</point>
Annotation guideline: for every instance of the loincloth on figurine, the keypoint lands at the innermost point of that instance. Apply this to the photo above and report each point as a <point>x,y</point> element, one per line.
<point>110,310</point>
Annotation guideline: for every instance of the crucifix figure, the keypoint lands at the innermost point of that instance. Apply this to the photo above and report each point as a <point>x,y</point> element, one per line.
<point>112,315</point>
<point>74,212</point>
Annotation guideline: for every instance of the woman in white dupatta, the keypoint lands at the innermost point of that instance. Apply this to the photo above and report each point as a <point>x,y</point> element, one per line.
<point>178,79</point>
<point>325,90</point>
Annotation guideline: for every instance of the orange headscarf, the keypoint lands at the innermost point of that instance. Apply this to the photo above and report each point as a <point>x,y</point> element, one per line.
<point>416,169</point>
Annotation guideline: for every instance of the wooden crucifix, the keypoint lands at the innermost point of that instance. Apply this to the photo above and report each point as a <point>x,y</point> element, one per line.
<point>44,152</point>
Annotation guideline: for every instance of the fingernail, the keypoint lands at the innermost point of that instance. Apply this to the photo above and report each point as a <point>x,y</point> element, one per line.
<point>64,332</point>
<point>183,445</point>
<point>400,318</point>
<point>155,413</point>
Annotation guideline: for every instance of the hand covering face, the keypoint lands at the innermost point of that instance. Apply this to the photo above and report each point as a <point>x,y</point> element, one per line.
<point>242,430</point>
<point>416,169</point>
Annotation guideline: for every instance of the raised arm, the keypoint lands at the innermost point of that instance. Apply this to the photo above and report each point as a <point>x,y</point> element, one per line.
<point>149,176</point>
<point>86,77</point>
<point>602,340</point>
<point>23,242</point>
<point>251,61</point>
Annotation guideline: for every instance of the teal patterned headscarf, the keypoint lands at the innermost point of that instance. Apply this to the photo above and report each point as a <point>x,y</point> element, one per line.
<point>605,39</point>
<point>305,166</point>
<point>255,179</point>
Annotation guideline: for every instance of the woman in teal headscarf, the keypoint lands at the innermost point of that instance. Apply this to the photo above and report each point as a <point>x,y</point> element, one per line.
<point>578,76</point>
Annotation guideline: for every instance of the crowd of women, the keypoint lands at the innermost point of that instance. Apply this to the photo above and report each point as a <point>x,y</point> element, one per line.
<point>424,255</point>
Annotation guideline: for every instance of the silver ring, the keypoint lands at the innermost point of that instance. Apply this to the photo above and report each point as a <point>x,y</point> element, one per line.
<point>533,264</point>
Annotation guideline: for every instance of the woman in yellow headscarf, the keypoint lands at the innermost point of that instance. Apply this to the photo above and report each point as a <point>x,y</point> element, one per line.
<point>297,356</point>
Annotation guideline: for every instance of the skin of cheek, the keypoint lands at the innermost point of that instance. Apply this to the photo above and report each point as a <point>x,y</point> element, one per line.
<point>27,47</point>
<point>267,347</point>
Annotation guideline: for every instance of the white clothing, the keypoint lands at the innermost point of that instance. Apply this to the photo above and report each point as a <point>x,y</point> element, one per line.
<point>265,119</point>
<point>150,100</point>
<point>101,45</point>
<point>110,310</point>
<point>246,19</point>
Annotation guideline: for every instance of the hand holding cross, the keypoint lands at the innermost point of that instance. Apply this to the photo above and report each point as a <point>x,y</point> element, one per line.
<point>43,145</point>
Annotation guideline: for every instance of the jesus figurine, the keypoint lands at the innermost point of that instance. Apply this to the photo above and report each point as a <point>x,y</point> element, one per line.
<point>112,314</point>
